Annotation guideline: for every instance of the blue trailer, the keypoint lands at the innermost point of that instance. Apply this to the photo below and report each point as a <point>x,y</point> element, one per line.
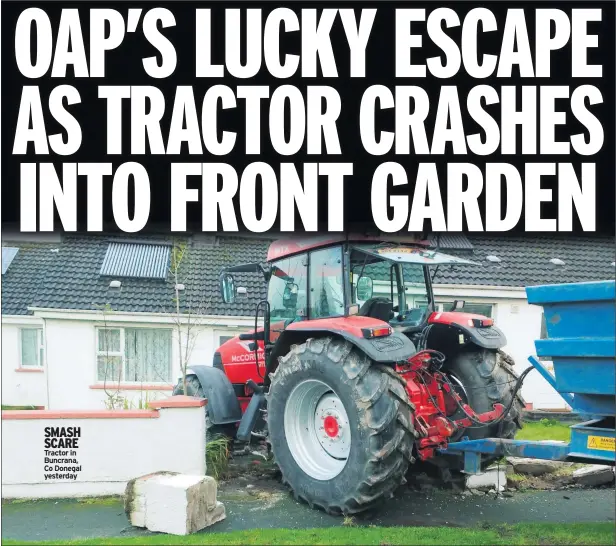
<point>580,341</point>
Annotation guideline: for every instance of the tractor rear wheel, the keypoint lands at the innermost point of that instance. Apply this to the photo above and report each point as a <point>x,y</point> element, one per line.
<point>341,427</point>
<point>483,378</point>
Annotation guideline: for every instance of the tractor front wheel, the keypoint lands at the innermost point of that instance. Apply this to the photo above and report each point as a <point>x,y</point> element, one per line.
<point>341,427</point>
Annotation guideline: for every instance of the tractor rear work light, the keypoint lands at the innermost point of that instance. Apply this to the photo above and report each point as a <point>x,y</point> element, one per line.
<point>376,332</point>
<point>483,323</point>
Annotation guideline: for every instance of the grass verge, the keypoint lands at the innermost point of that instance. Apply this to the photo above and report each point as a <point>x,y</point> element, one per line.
<point>522,533</point>
<point>546,429</point>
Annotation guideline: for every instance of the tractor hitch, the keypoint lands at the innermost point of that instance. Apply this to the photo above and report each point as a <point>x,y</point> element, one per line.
<point>436,401</point>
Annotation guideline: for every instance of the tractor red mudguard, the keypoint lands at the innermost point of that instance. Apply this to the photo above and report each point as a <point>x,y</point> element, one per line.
<point>473,328</point>
<point>386,346</point>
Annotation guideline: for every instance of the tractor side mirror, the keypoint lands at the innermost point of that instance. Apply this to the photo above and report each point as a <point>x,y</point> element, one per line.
<point>227,288</point>
<point>289,296</point>
<point>457,305</point>
<point>364,290</point>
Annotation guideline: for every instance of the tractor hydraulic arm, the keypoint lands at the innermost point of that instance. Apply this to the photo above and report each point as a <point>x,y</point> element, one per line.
<point>429,391</point>
<point>471,416</point>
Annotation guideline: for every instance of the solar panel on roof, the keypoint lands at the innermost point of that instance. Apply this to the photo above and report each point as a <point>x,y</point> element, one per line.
<point>146,261</point>
<point>8,254</point>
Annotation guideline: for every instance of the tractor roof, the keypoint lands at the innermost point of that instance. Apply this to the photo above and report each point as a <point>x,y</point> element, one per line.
<point>287,247</point>
<point>397,253</point>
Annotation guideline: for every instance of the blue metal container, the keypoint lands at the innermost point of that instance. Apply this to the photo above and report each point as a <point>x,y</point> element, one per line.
<point>580,325</point>
<point>580,342</point>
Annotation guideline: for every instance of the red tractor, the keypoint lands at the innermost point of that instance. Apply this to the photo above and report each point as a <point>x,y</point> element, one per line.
<point>353,375</point>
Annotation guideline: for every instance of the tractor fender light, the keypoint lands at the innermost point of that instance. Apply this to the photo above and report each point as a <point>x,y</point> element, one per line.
<point>483,323</point>
<point>370,333</point>
<point>353,309</point>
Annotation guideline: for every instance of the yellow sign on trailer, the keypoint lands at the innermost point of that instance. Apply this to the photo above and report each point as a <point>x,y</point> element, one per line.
<point>604,443</point>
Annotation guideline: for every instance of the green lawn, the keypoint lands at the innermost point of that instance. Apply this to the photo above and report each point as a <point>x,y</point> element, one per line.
<point>546,429</point>
<point>533,533</point>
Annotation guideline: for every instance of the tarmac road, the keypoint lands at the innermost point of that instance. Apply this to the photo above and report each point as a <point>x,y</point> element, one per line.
<point>265,504</point>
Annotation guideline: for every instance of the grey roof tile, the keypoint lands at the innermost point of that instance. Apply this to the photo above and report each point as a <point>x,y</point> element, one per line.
<point>25,276</point>
<point>525,261</point>
<point>450,241</point>
<point>76,283</point>
<point>69,278</point>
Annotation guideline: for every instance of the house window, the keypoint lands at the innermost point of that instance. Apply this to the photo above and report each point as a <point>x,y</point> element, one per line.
<point>32,348</point>
<point>543,334</point>
<point>224,339</point>
<point>484,309</point>
<point>544,330</point>
<point>134,355</point>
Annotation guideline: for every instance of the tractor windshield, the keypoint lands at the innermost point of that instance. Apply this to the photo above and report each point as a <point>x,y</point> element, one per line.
<point>294,293</point>
<point>287,291</point>
<point>400,289</point>
<point>392,282</point>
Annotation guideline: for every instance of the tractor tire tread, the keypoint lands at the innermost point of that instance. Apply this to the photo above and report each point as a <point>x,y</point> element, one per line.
<point>386,466</point>
<point>498,386</point>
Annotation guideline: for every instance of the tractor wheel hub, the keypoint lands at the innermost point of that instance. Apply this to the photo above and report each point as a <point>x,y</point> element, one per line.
<point>317,429</point>
<point>330,425</point>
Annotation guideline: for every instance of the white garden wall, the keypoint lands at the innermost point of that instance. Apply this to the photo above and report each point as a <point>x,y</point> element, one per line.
<point>114,446</point>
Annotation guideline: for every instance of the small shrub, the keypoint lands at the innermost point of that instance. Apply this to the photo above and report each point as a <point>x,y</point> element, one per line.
<point>549,422</point>
<point>217,456</point>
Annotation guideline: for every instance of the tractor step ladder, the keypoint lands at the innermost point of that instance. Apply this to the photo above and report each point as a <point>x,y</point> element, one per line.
<point>580,342</point>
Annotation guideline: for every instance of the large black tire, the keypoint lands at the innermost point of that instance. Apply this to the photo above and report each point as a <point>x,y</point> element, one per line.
<point>487,377</point>
<point>194,388</point>
<point>380,421</point>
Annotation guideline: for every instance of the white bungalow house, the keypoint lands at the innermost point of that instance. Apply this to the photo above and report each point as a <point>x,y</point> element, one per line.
<point>90,321</point>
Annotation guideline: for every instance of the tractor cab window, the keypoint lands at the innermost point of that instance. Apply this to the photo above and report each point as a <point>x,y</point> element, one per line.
<point>326,283</point>
<point>287,290</point>
<point>383,279</point>
<point>416,293</point>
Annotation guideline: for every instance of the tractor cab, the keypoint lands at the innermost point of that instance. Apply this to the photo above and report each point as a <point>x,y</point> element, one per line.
<point>385,282</point>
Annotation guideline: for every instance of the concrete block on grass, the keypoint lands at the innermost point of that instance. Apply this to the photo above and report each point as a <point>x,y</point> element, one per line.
<point>173,503</point>
<point>593,474</point>
<point>492,478</point>
<point>535,467</point>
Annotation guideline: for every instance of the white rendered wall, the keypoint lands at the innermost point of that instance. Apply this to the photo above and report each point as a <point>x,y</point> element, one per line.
<point>110,451</point>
